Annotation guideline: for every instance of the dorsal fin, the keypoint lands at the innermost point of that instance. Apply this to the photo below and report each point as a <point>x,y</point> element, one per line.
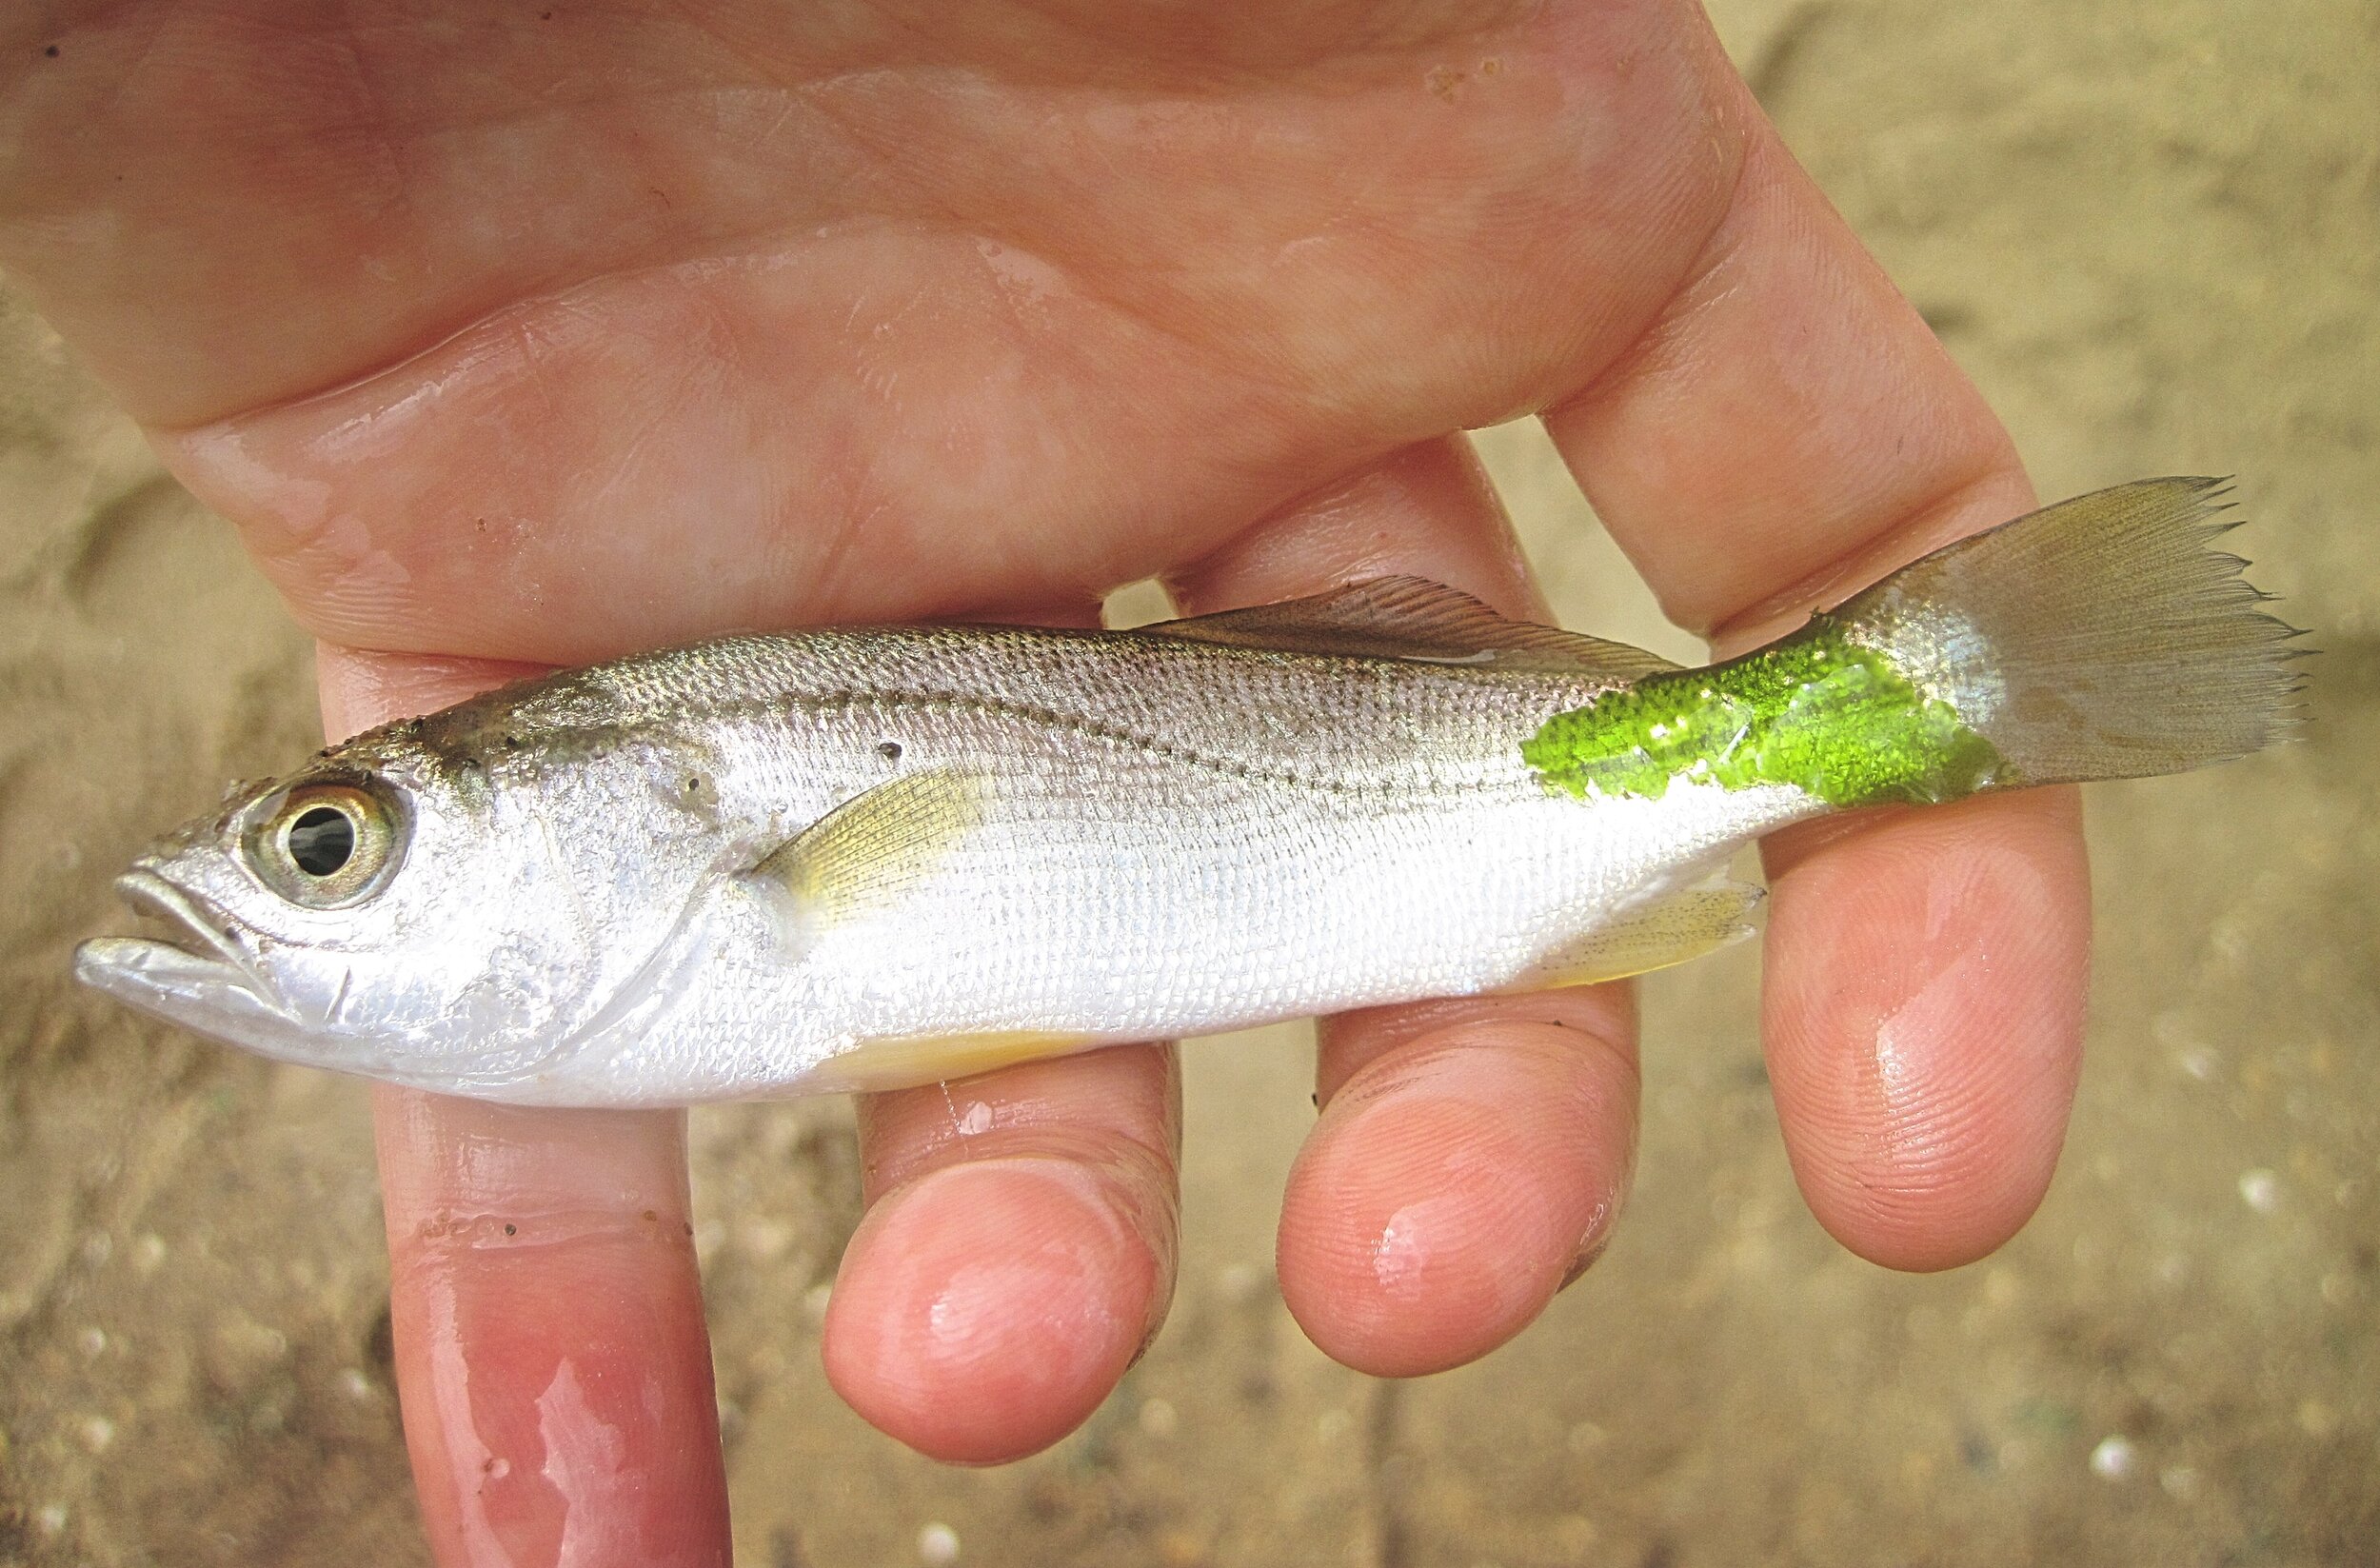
<point>1414,618</point>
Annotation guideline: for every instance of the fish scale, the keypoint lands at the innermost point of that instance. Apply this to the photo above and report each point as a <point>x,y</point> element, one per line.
<point>860,858</point>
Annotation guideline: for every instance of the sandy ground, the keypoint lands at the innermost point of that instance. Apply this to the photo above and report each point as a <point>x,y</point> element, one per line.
<point>2153,232</point>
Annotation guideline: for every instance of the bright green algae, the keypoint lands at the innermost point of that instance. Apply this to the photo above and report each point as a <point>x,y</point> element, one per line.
<point>1815,710</point>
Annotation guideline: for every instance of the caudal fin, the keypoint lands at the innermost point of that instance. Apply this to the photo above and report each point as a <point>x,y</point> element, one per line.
<point>2101,638</point>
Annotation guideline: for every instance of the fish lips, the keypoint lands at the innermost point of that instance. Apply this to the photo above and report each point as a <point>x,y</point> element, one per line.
<point>209,983</point>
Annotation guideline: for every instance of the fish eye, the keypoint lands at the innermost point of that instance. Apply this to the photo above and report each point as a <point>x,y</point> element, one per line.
<point>325,844</point>
<point>321,840</point>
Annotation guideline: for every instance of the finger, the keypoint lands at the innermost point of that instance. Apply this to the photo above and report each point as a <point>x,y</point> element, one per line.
<point>1788,430</point>
<point>1019,1243</point>
<point>1017,1254</point>
<point>1921,1014</point>
<point>747,353</point>
<point>1426,510</point>
<point>552,1358</point>
<point>552,1365</point>
<point>360,688</point>
<point>1470,1156</point>
<point>1470,1160</point>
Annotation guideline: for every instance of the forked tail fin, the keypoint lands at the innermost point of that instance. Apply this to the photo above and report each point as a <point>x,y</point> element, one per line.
<point>2101,638</point>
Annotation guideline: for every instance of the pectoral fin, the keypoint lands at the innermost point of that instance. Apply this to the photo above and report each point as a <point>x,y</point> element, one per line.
<point>874,851</point>
<point>1671,930</point>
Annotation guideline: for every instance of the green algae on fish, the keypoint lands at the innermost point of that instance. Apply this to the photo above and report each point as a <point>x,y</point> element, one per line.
<point>1815,710</point>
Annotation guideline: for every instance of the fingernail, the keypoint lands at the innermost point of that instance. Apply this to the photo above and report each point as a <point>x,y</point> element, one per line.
<point>1588,1252</point>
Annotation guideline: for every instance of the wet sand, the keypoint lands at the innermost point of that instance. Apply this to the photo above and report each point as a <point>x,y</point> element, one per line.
<point>2152,232</point>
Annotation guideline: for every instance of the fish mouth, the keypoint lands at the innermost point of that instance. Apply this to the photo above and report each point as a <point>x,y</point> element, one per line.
<point>206,981</point>
<point>209,981</point>
<point>151,894</point>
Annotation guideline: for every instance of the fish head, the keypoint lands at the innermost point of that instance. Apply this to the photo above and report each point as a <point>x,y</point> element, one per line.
<point>385,911</point>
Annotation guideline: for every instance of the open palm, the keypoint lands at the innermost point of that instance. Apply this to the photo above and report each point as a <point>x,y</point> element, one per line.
<point>538,332</point>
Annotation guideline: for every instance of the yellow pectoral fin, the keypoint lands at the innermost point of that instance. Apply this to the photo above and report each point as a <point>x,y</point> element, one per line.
<point>904,1062</point>
<point>874,851</point>
<point>1671,930</point>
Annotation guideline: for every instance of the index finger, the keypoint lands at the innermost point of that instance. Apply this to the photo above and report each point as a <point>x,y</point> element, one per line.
<point>1787,431</point>
<point>552,1358</point>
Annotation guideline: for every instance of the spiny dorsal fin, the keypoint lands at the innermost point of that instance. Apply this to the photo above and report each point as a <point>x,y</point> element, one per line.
<point>1414,618</point>
<point>872,851</point>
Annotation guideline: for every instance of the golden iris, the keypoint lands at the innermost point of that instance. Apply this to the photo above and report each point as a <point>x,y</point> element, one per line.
<point>325,844</point>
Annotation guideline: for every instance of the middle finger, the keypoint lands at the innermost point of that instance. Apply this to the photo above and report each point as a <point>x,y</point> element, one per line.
<point>1471,1155</point>
<point>1017,1250</point>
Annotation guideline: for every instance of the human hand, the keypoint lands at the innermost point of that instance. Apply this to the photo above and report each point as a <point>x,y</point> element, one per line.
<point>515,336</point>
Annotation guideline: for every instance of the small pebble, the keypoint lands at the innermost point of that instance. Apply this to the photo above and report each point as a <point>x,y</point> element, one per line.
<point>938,1545</point>
<point>91,1341</point>
<point>50,1519</point>
<point>2179,1480</point>
<point>1158,1418</point>
<point>765,1240</point>
<point>2113,1459</point>
<point>2260,1190</point>
<point>1239,1283</point>
<point>355,1385</point>
<point>975,1121</point>
<point>97,1433</point>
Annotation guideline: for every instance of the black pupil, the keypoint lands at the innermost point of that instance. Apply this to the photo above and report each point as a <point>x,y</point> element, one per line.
<point>321,840</point>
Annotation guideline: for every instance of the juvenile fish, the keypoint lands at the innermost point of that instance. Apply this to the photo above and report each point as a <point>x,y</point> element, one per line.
<point>860,859</point>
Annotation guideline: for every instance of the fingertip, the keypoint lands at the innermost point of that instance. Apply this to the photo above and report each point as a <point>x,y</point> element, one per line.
<point>1452,1187</point>
<point>359,687</point>
<point>985,1310</point>
<point>1924,1006</point>
<point>551,1359</point>
<point>1426,510</point>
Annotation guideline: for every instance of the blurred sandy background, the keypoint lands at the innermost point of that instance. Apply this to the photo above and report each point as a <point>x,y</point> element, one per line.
<point>2153,230</point>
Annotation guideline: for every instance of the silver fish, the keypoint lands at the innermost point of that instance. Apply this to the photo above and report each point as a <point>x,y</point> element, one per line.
<point>858,859</point>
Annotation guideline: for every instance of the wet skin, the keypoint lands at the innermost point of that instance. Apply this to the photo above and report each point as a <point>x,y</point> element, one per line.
<point>518,336</point>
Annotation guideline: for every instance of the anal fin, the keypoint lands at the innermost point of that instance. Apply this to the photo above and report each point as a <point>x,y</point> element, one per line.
<point>1670,929</point>
<point>904,1062</point>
